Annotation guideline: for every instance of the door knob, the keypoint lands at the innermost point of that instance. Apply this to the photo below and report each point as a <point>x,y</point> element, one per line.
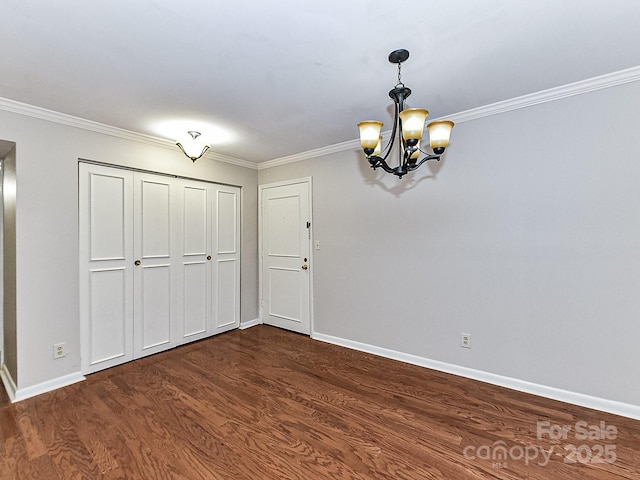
<point>305,267</point>
<point>208,257</point>
<point>136,263</point>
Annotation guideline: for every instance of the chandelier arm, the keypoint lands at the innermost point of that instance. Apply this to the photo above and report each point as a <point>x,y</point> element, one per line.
<point>379,162</point>
<point>413,166</point>
<point>405,153</point>
<point>389,146</point>
<point>399,94</point>
<point>399,171</point>
<point>392,139</point>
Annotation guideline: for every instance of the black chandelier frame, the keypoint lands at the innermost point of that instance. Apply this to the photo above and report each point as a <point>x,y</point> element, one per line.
<point>407,148</point>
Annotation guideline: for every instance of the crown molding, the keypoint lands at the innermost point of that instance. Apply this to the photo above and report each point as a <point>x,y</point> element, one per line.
<point>25,109</point>
<point>309,154</point>
<point>226,159</point>
<point>550,95</point>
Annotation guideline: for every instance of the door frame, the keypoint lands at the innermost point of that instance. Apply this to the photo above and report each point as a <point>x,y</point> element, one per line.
<point>309,183</point>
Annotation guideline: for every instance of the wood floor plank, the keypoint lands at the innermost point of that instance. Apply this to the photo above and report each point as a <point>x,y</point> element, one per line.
<point>329,424</point>
<point>265,404</point>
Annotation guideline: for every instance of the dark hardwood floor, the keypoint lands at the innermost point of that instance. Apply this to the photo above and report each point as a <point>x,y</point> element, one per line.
<point>264,403</point>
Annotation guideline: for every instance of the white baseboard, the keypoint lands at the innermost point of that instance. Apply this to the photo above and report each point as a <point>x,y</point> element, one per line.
<point>596,403</point>
<point>7,381</point>
<point>18,394</point>
<point>250,323</point>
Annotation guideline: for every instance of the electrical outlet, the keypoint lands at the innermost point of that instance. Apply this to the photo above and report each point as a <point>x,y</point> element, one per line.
<point>465,340</point>
<point>60,350</point>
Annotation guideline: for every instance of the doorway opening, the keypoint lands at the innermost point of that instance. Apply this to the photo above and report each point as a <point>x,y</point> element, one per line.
<point>8,339</point>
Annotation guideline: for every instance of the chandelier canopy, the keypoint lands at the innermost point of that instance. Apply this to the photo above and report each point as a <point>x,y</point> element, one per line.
<point>408,127</point>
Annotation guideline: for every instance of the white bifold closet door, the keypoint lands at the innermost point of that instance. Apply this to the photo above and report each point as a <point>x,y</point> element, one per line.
<point>194,309</point>
<point>159,263</point>
<point>154,237</point>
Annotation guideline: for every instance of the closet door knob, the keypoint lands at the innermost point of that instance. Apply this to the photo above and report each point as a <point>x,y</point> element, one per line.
<point>208,257</point>
<point>136,263</point>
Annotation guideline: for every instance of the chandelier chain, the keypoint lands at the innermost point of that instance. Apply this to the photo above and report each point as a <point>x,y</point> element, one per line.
<point>399,74</point>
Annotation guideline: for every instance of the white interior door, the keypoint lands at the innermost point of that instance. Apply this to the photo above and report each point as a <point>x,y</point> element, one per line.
<point>106,266</point>
<point>285,270</point>
<point>154,298</point>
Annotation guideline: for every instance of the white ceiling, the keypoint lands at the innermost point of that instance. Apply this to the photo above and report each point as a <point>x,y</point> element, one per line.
<point>266,79</point>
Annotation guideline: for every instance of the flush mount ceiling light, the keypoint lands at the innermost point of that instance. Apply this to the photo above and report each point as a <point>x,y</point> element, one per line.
<point>408,126</point>
<point>192,147</point>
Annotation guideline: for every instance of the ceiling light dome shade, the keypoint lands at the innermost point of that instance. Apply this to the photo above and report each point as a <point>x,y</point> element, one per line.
<point>192,147</point>
<point>370,133</point>
<point>439,133</point>
<point>413,123</point>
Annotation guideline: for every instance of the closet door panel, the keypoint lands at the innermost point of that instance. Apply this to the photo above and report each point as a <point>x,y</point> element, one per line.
<point>106,266</point>
<point>154,216</point>
<point>226,247</point>
<point>195,282</point>
<point>154,301</point>
<point>155,312</point>
<point>226,313</point>
<point>227,221</point>
<point>196,299</point>
<point>107,216</point>
<point>195,211</point>
<point>110,325</point>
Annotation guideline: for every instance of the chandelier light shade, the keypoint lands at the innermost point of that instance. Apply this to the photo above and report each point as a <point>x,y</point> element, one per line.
<point>192,147</point>
<point>439,133</point>
<point>370,133</point>
<point>408,128</point>
<point>412,121</point>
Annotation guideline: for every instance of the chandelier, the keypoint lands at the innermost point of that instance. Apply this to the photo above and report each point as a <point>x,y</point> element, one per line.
<point>408,126</point>
<point>192,147</point>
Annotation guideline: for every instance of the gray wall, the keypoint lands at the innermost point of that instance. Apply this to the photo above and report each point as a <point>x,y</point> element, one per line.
<point>46,224</point>
<point>526,236</point>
